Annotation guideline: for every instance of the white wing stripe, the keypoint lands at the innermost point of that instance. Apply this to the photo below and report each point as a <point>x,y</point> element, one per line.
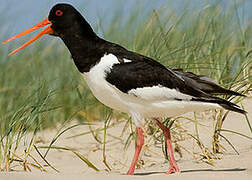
<point>126,60</point>
<point>157,93</point>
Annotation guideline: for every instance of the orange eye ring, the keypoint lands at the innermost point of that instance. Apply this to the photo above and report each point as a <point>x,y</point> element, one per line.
<point>59,13</point>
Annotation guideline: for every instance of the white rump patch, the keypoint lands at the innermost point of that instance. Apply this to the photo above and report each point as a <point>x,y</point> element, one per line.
<point>157,93</point>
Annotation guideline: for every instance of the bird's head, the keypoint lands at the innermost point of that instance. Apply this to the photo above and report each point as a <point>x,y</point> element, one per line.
<point>62,18</point>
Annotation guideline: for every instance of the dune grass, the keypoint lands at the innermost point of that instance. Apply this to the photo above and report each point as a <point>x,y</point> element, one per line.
<point>41,88</point>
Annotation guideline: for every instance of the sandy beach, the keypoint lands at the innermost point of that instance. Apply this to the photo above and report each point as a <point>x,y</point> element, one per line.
<point>153,164</point>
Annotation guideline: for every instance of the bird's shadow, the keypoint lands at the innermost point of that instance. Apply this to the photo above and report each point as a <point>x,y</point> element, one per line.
<point>195,170</point>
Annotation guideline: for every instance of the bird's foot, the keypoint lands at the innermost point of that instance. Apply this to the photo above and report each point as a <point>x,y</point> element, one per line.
<point>130,172</point>
<point>173,168</point>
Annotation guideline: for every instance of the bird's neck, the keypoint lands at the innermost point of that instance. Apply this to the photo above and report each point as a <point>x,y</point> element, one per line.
<point>84,46</point>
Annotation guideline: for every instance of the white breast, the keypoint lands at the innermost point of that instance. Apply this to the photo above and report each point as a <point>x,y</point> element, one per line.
<point>102,90</point>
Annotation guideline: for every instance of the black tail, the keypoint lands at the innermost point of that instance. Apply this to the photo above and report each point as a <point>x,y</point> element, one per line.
<point>205,84</point>
<point>217,90</point>
<point>232,107</point>
<point>223,103</point>
<point>210,88</point>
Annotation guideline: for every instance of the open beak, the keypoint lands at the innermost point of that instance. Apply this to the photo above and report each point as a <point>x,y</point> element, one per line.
<point>47,30</point>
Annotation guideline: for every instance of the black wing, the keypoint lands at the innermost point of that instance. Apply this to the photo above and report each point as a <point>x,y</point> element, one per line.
<point>146,72</point>
<point>139,74</point>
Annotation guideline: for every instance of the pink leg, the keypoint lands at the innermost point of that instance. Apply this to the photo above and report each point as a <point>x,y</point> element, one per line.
<point>167,134</point>
<point>139,144</point>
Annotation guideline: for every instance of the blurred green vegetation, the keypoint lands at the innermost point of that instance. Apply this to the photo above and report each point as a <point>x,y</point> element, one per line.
<point>41,88</point>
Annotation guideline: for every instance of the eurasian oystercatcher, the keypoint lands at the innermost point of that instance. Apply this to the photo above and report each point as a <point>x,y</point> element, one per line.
<point>128,81</point>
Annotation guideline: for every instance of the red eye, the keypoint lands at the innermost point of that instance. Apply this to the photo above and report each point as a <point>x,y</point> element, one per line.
<point>59,13</point>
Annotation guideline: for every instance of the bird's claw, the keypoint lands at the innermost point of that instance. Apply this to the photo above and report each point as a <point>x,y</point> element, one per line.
<point>173,169</point>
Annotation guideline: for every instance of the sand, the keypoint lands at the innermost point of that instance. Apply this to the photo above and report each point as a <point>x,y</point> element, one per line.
<point>153,164</point>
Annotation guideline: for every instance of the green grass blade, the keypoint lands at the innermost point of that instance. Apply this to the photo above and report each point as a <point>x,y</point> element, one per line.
<point>85,160</point>
<point>246,117</point>
<point>229,143</point>
<point>234,132</point>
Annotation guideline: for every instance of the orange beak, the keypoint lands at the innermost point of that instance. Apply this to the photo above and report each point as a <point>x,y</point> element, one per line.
<point>47,30</point>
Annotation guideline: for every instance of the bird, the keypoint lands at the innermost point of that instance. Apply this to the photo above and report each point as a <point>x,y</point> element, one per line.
<point>130,82</point>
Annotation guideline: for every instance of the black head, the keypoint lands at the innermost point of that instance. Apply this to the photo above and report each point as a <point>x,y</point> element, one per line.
<point>63,15</point>
<point>66,19</point>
